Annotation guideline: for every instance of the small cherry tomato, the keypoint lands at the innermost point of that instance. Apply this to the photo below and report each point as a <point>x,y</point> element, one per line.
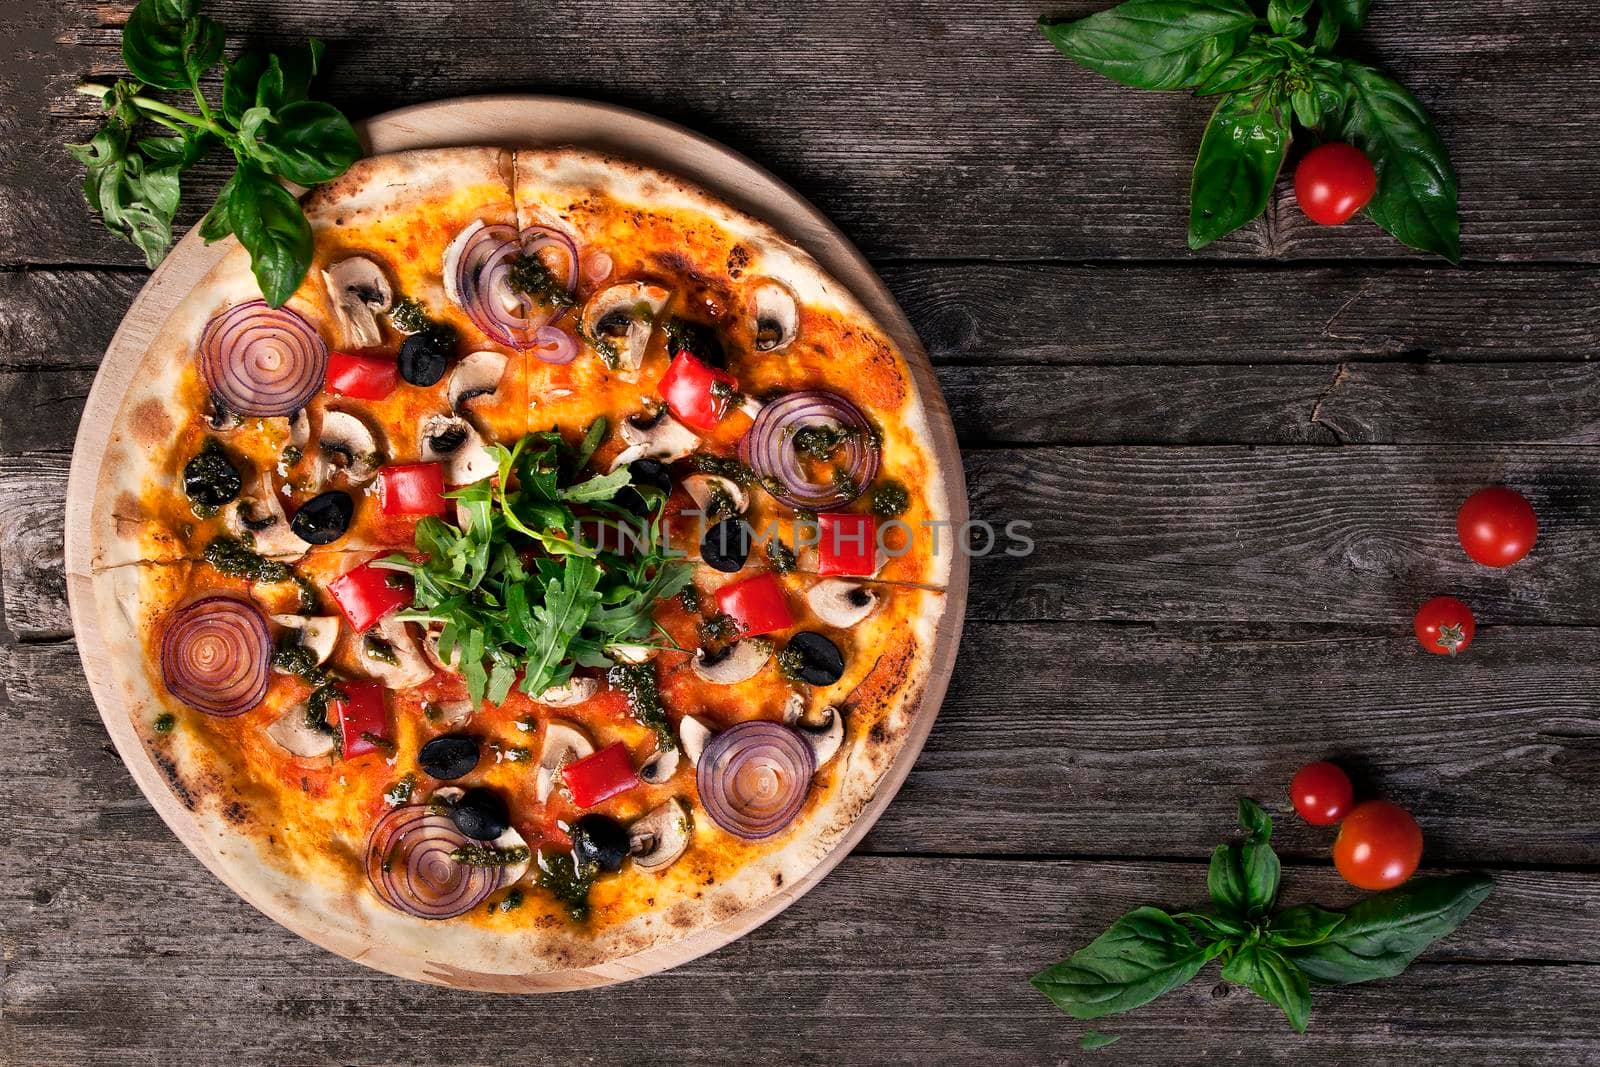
<point>1321,793</point>
<point>1497,526</point>
<point>1444,626</point>
<point>1379,845</point>
<point>360,377</point>
<point>1333,182</point>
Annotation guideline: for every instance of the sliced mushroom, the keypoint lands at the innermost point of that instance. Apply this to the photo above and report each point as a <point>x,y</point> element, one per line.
<point>775,316</point>
<point>735,663</point>
<point>511,839</point>
<point>293,733</point>
<point>359,292</point>
<point>300,429</point>
<point>455,442</point>
<point>452,713</point>
<point>477,375</point>
<point>430,648</point>
<point>693,734</point>
<point>564,742</point>
<point>619,321</point>
<point>658,436</point>
<point>317,633</point>
<point>348,447</point>
<point>631,654</point>
<point>410,667</point>
<point>824,736</point>
<point>841,603</point>
<point>260,521</point>
<point>660,767</point>
<point>574,691</point>
<point>709,489</point>
<point>219,418</point>
<point>659,836</point>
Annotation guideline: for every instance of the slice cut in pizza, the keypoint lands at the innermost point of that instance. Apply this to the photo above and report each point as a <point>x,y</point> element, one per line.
<point>554,576</point>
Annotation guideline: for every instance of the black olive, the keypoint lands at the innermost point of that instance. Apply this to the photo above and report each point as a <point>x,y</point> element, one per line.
<point>599,839</point>
<point>449,757</point>
<point>726,545</point>
<point>645,472</point>
<point>820,662</point>
<point>209,479</point>
<point>481,813</point>
<point>425,356</point>
<point>697,339</point>
<point>324,518</point>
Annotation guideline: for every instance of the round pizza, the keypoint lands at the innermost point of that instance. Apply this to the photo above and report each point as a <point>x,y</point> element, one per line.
<point>553,577</point>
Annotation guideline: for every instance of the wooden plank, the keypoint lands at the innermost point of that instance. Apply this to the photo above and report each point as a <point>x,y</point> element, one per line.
<point>32,562</point>
<point>888,117</point>
<point>891,960</point>
<point>1100,740</point>
<point>1356,534</point>
<point>993,314</point>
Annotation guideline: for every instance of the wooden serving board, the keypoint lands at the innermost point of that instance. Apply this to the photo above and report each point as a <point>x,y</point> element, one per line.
<point>512,121</point>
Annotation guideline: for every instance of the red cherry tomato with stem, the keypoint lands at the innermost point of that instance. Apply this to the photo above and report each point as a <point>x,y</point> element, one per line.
<point>1333,182</point>
<point>1379,845</point>
<point>1444,626</point>
<point>1321,793</point>
<point>1497,526</point>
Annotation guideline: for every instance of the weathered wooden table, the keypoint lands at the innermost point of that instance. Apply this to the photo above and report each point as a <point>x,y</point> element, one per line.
<point>1242,468</point>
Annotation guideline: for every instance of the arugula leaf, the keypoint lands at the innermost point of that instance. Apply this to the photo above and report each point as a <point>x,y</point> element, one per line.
<point>1382,934</point>
<point>600,487</point>
<point>1416,197</point>
<point>1155,44</point>
<point>1240,156</point>
<point>1145,953</point>
<point>269,223</point>
<point>566,607</point>
<point>1270,975</point>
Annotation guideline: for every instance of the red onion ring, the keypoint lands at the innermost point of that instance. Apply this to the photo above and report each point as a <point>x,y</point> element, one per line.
<point>215,656</point>
<point>768,448</point>
<point>478,264</point>
<point>262,361</point>
<point>409,865</point>
<point>554,345</point>
<point>754,777</point>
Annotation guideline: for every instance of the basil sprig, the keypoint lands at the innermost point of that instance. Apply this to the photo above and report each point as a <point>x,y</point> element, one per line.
<point>1277,956</point>
<point>1271,63</point>
<point>265,119</point>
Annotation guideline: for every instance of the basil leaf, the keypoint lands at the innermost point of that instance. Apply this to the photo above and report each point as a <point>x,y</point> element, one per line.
<point>1328,85</point>
<point>1093,1039</point>
<point>1216,927</point>
<point>179,151</point>
<point>1155,44</point>
<point>1416,197</point>
<point>217,223</point>
<point>1303,924</point>
<point>1382,934</point>
<point>306,141</point>
<point>1253,65</point>
<point>269,223</point>
<point>1351,14</point>
<point>1243,878</point>
<point>164,40</point>
<point>1327,34</point>
<point>1144,954</point>
<point>135,198</point>
<point>1270,975</point>
<point>270,80</point>
<point>1240,156</point>
<point>1285,16</point>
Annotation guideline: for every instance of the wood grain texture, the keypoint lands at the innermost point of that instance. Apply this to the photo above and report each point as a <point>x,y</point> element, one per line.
<point>888,115</point>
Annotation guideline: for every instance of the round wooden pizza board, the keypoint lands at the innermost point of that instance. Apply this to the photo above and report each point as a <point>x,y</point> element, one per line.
<point>513,121</point>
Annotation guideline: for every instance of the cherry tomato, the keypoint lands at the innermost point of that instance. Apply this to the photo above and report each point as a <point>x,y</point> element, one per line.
<point>367,593</point>
<point>756,605</point>
<point>687,389</point>
<point>360,377</point>
<point>412,489</point>
<point>847,543</point>
<point>1321,793</point>
<point>1379,845</point>
<point>1497,526</point>
<point>1333,182</point>
<point>1444,626</point>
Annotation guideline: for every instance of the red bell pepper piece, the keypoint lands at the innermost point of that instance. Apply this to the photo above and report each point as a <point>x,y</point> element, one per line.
<point>756,605</point>
<point>367,593</point>
<point>361,377</point>
<point>412,489</point>
<point>363,718</point>
<point>600,776</point>
<point>686,387</point>
<point>847,543</point>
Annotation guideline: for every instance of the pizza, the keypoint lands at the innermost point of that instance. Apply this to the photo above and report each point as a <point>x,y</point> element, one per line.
<point>554,577</point>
